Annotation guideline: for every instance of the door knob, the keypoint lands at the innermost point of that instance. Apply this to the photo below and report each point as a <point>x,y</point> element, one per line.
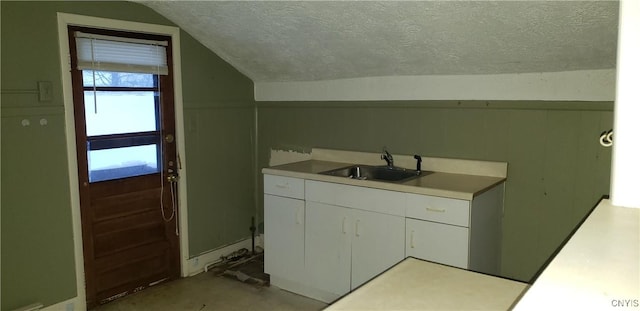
<point>169,138</point>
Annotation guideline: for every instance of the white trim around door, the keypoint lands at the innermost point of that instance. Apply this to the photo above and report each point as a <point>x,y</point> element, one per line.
<point>65,20</point>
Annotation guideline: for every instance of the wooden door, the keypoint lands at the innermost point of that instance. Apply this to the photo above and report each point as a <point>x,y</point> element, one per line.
<point>127,169</point>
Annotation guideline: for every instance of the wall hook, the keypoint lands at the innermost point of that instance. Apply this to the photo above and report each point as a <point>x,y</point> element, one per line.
<point>606,138</point>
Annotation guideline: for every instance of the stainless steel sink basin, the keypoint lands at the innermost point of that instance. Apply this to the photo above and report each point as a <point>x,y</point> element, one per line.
<point>378,173</point>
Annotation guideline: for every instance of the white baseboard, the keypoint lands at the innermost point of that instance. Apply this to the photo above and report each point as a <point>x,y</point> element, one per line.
<point>72,304</point>
<point>196,265</point>
<point>31,307</point>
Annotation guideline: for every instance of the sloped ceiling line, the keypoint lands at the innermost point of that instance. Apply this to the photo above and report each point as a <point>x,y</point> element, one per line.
<point>316,40</point>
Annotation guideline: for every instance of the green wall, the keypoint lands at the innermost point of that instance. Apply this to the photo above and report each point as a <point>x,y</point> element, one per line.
<point>557,170</point>
<point>219,124</point>
<point>37,239</point>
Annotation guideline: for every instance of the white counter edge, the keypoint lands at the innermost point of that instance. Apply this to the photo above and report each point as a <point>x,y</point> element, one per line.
<point>597,269</point>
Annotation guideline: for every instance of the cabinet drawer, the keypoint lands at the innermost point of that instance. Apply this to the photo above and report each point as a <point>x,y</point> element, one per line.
<point>284,186</point>
<point>437,242</point>
<point>442,210</point>
<point>368,199</point>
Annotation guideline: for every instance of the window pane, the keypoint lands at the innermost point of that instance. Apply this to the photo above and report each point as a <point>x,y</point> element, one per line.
<point>124,162</point>
<point>119,112</point>
<point>117,79</point>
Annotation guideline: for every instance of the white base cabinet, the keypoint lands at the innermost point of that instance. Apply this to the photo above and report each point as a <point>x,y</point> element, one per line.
<point>377,245</point>
<point>441,243</point>
<point>284,231</point>
<point>328,249</point>
<point>323,240</point>
<point>459,233</point>
<point>284,234</point>
<point>346,247</point>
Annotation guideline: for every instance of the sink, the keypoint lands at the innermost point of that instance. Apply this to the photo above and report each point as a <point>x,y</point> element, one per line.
<point>378,173</point>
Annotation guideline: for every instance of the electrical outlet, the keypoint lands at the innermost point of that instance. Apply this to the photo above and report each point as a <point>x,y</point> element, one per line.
<point>45,92</point>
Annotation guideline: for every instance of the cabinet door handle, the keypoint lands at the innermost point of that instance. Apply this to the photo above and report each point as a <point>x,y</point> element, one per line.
<point>439,210</point>
<point>298,221</point>
<point>411,240</point>
<point>344,225</point>
<point>282,186</point>
<point>358,227</point>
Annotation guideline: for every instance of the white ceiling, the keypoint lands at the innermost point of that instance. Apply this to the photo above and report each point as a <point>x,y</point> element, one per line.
<point>317,40</point>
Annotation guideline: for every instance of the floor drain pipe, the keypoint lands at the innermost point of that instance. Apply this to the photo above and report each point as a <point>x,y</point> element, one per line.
<point>253,235</point>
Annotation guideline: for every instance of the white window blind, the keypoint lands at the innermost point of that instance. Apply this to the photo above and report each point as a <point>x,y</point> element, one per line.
<point>108,53</point>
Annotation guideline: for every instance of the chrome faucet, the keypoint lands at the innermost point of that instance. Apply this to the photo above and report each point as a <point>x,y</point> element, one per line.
<point>387,157</point>
<point>418,163</point>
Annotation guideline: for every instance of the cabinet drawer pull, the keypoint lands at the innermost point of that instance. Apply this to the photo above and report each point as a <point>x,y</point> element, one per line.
<point>344,225</point>
<point>298,221</point>
<point>282,186</point>
<point>358,227</point>
<point>439,210</point>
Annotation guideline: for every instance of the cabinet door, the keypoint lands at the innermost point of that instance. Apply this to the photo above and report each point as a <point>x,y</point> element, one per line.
<point>284,237</point>
<point>328,248</point>
<point>446,244</point>
<point>377,244</point>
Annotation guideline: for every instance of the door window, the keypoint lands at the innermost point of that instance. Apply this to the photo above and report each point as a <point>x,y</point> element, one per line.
<point>122,124</point>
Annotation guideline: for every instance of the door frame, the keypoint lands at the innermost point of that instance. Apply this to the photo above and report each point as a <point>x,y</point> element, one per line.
<point>65,20</point>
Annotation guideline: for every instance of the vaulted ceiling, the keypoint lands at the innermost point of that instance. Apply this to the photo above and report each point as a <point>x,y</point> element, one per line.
<point>316,40</point>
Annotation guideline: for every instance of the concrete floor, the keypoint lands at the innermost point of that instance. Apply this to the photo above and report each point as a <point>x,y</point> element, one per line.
<point>207,292</point>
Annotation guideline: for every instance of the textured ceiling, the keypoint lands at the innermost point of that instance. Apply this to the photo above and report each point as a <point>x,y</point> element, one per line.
<point>317,40</point>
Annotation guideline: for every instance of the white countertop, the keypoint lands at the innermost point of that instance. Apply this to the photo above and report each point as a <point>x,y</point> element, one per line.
<point>415,284</point>
<point>449,185</point>
<point>597,269</point>
<point>452,178</point>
